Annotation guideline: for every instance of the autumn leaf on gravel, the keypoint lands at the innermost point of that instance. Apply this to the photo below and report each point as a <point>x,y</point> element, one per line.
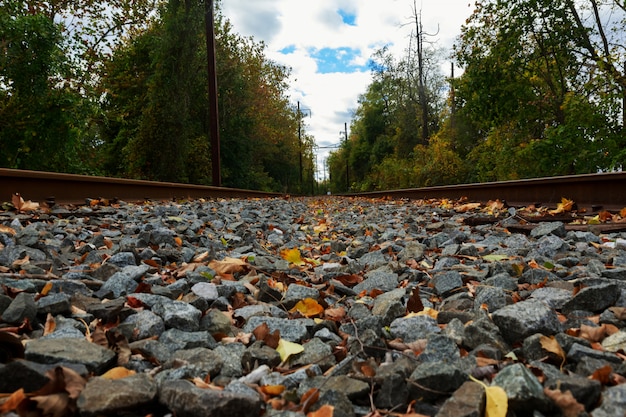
<point>466,207</point>
<point>414,303</point>
<point>564,206</point>
<point>565,401</point>
<point>497,402</point>
<point>349,280</point>
<point>593,333</point>
<point>551,345</point>
<point>21,205</point>
<point>13,401</point>
<point>7,230</point>
<point>308,308</point>
<point>272,390</point>
<point>292,256</point>
<point>335,313</point>
<point>228,266</point>
<point>286,348</point>
<point>262,332</point>
<point>118,372</point>
<point>324,411</point>
<point>603,375</point>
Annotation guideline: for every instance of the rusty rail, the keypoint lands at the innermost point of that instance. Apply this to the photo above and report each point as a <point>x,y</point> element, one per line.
<point>74,189</point>
<point>591,191</point>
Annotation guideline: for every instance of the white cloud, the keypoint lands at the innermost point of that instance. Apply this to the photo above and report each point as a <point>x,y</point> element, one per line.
<point>304,28</point>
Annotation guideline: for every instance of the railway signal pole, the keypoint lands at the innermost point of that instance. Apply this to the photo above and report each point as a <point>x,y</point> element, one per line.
<point>214,126</point>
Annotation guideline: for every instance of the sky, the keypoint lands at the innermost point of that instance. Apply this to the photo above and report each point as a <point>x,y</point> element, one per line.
<point>328,43</point>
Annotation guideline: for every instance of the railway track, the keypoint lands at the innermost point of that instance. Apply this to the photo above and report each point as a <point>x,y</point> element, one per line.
<point>592,192</point>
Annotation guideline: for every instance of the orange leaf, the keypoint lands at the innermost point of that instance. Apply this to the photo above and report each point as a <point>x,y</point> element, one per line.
<point>50,325</point>
<point>622,212</point>
<point>8,230</point>
<point>324,411</point>
<point>178,241</point>
<point>272,390</point>
<point>308,399</point>
<point>46,288</point>
<point>118,372</point>
<point>13,401</point>
<point>308,307</point>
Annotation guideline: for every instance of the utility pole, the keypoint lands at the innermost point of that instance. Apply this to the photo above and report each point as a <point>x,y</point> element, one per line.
<point>214,126</point>
<point>300,140</point>
<point>345,135</point>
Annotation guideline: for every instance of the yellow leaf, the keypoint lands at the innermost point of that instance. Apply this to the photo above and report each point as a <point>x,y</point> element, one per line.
<point>564,206</point>
<point>118,372</point>
<point>286,348</point>
<point>308,307</point>
<point>292,255</point>
<point>497,402</point>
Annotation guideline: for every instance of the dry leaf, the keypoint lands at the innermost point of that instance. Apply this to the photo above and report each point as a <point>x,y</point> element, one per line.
<point>21,205</point>
<point>228,266</point>
<point>349,280</point>
<point>7,230</point>
<point>13,401</point>
<point>308,307</point>
<point>272,390</point>
<point>551,345</point>
<point>593,333</point>
<point>308,399</point>
<point>50,325</point>
<point>286,348</point>
<point>335,314</point>
<point>54,405</point>
<point>603,375</point>
<point>292,256</point>
<point>46,288</point>
<point>414,304</point>
<point>564,206</point>
<point>497,402</point>
<point>566,402</point>
<point>466,207</point>
<point>118,372</point>
<point>324,411</point>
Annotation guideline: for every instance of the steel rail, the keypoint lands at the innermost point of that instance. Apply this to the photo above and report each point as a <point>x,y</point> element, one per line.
<point>590,191</point>
<point>75,189</point>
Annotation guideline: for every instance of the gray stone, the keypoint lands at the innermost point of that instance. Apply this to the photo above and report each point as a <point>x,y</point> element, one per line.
<point>108,396</point>
<point>206,360</point>
<point>297,293</point>
<point>578,351</point>
<point>546,228</point>
<point>390,305</point>
<point>484,331</point>
<point>118,285</point>
<point>554,297</point>
<point>595,298</point>
<point>123,259</point>
<point>522,319</point>
<point>412,250</point>
<point>259,354</point>
<point>179,315</point>
<point>205,290</point>
<point>493,297</point>
<point>24,374</point>
<point>342,406</point>
<point>522,388</point>
<point>434,380</point>
<point>315,351</point>
<point>176,339</point>
<point>615,342</point>
<point>440,348</point>
<point>291,330</point>
<point>22,307</point>
<point>143,325</point>
<point>56,303</point>
<point>379,279</point>
<point>613,402</point>
<point>69,350</point>
<point>447,282</point>
<point>186,400</point>
<point>410,329</point>
<point>467,401</point>
<point>231,355</point>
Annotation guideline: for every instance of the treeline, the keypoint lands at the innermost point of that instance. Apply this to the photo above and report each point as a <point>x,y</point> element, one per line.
<point>119,88</point>
<point>542,93</point>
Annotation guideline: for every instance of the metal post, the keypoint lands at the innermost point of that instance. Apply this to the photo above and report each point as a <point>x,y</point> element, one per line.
<point>214,126</point>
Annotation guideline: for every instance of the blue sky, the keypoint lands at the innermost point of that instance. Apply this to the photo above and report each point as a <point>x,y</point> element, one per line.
<point>328,43</point>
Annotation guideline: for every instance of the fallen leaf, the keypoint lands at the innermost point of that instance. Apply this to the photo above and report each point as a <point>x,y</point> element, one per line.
<point>272,390</point>
<point>564,206</point>
<point>603,375</point>
<point>286,348</point>
<point>118,372</point>
<point>335,314</point>
<point>13,401</point>
<point>228,266</point>
<point>497,402</point>
<point>593,333</point>
<point>292,256</point>
<point>551,345</point>
<point>349,280</point>
<point>308,307</point>
<point>21,205</point>
<point>308,399</point>
<point>7,230</point>
<point>466,207</point>
<point>566,402</point>
<point>50,325</point>
<point>414,303</point>
<point>324,411</point>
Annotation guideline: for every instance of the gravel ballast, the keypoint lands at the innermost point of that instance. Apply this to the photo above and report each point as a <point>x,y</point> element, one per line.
<point>280,307</point>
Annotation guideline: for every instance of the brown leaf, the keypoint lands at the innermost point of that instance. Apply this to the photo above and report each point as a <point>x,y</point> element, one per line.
<point>7,230</point>
<point>349,280</point>
<point>335,313</point>
<point>566,402</point>
<point>603,375</point>
<point>53,405</point>
<point>308,399</point>
<point>414,304</point>
<point>619,312</point>
<point>551,345</point>
<point>21,205</point>
<point>593,333</point>
<point>119,344</point>
<point>228,266</point>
